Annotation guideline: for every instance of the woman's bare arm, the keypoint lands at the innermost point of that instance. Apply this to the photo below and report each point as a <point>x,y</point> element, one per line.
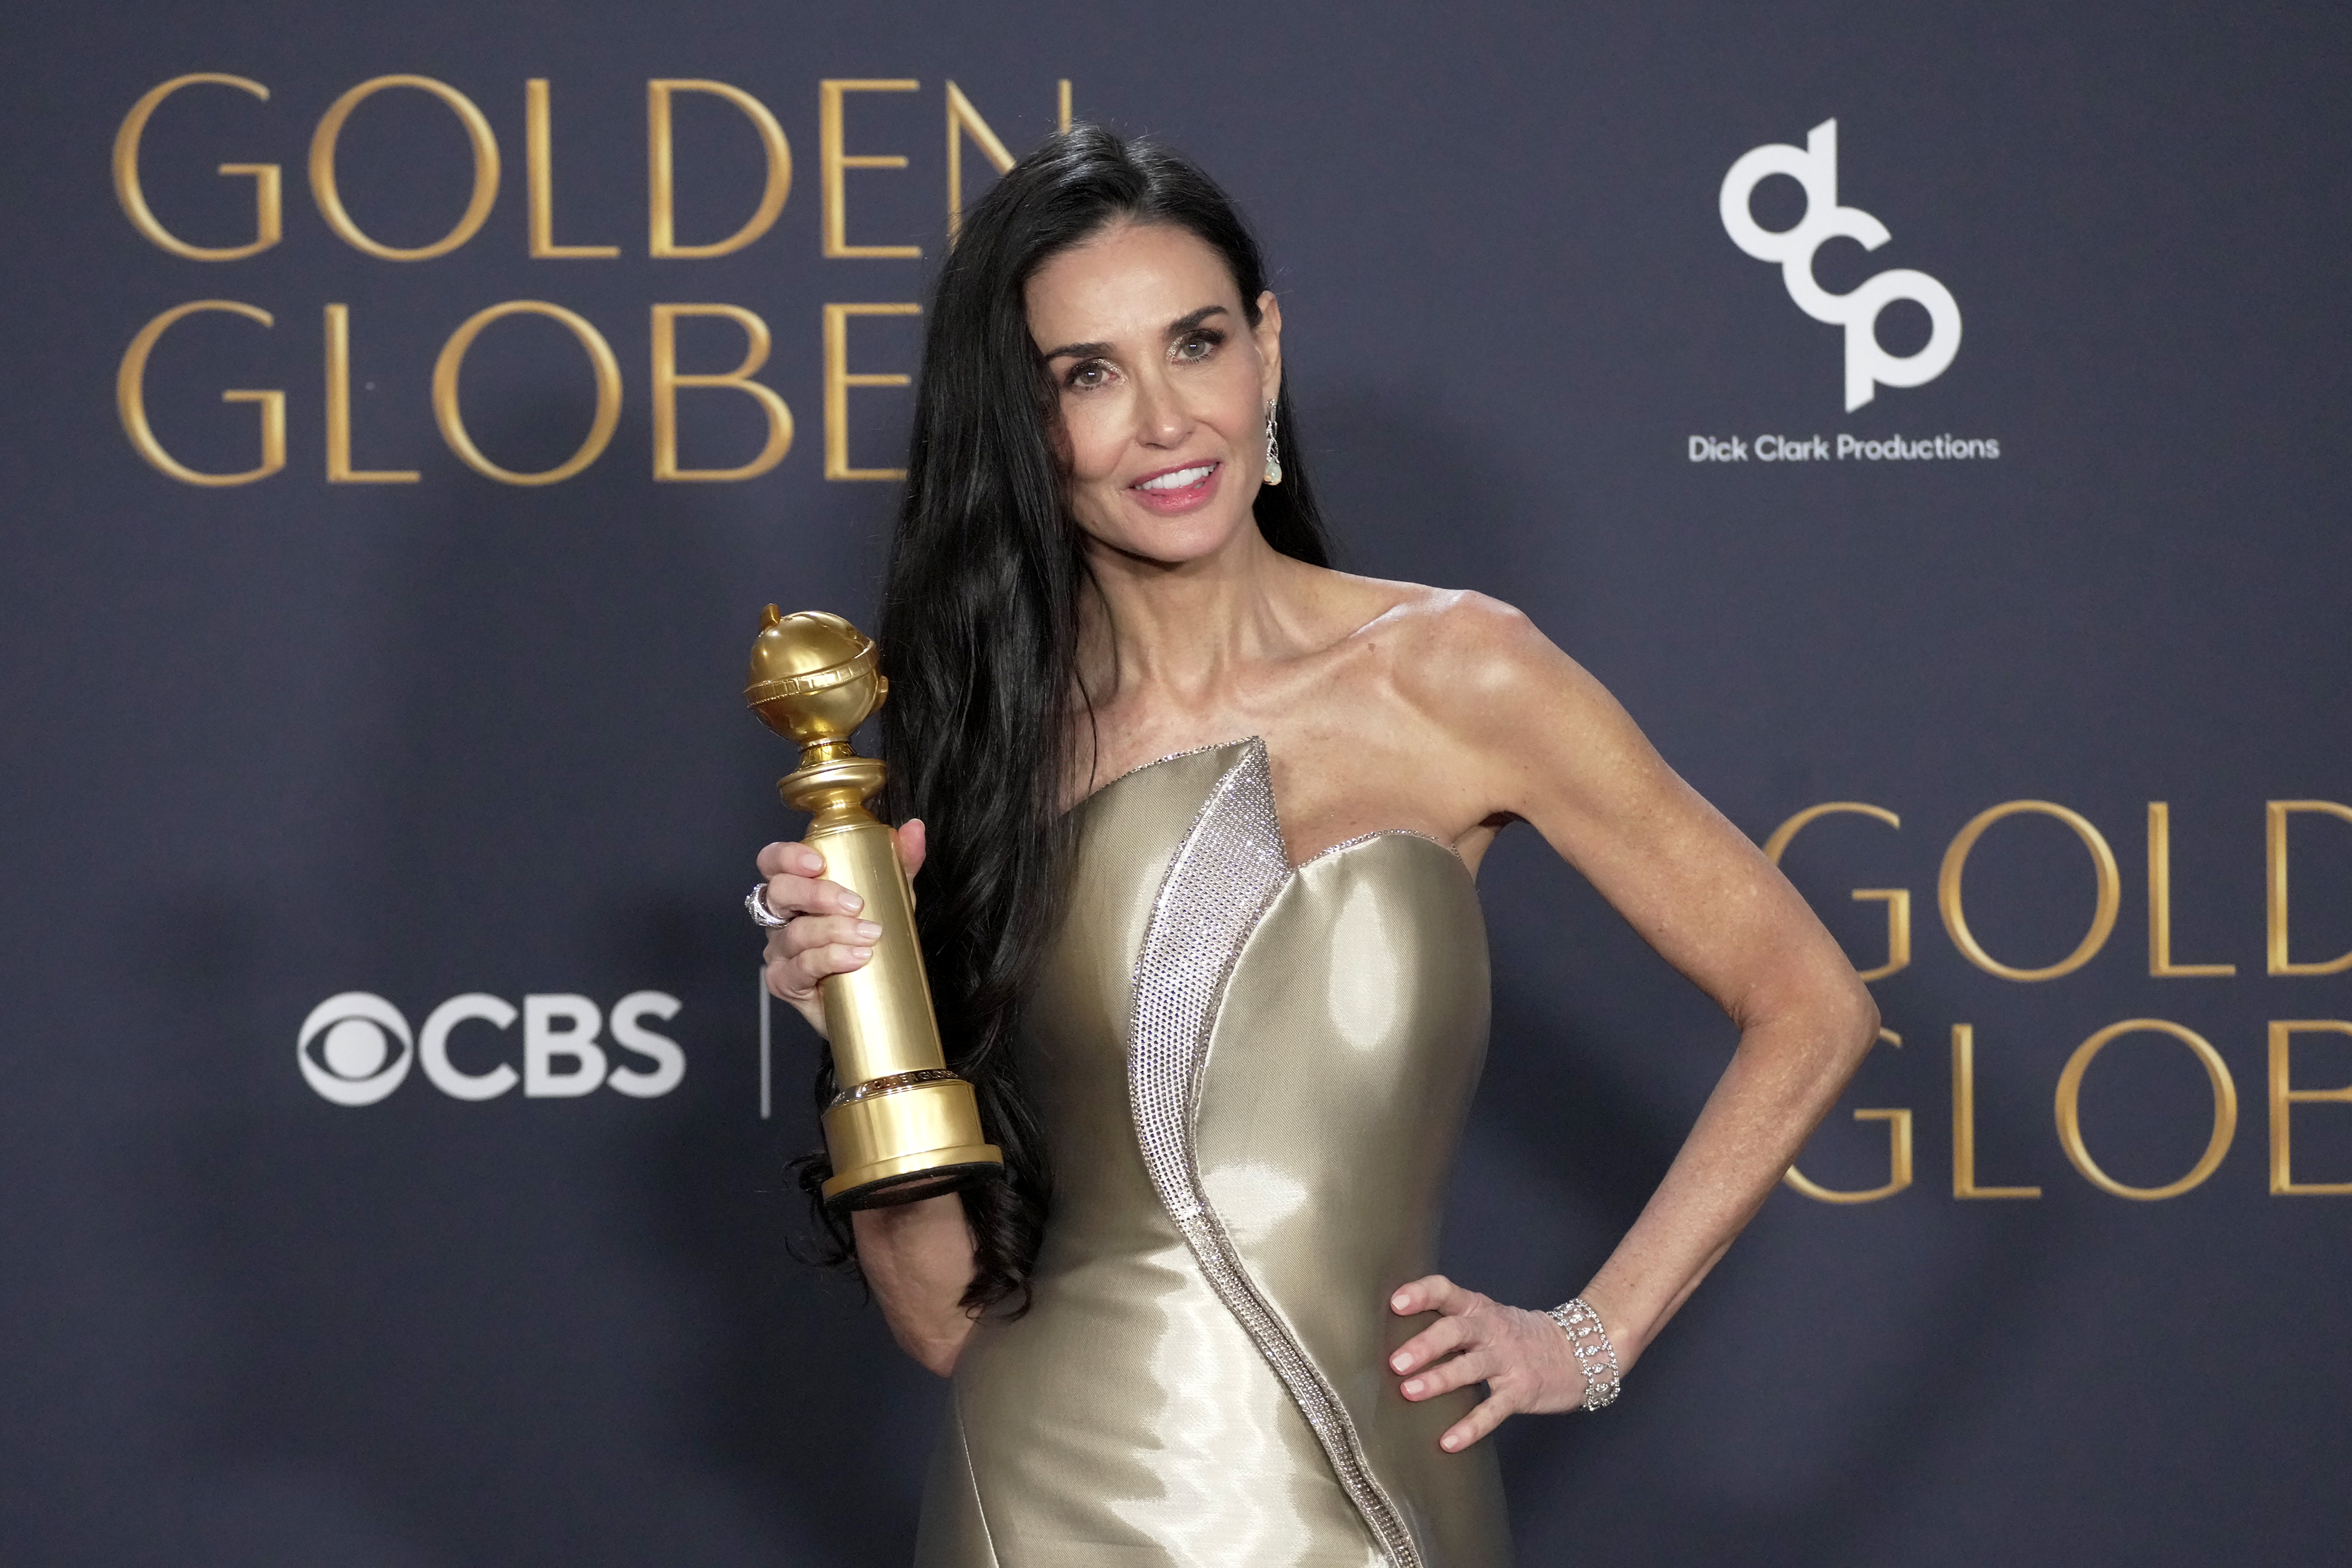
<point>1551,746</point>
<point>917,1258</point>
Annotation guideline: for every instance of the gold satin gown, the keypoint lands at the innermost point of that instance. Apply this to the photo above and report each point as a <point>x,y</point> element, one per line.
<point>1252,1079</point>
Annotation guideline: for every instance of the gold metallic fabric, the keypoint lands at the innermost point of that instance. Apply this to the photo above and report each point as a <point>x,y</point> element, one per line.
<point>1253,1078</point>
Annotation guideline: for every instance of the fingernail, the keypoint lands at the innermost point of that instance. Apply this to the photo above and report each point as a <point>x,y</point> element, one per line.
<point>1449,1443</point>
<point>861,953</point>
<point>1413,1388</point>
<point>1401,1361</point>
<point>869,930</point>
<point>807,863</point>
<point>1397,1302</point>
<point>852,903</point>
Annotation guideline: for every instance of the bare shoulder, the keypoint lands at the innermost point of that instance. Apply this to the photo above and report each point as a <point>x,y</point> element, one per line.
<point>1452,650</point>
<point>1524,721</point>
<point>1458,705</point>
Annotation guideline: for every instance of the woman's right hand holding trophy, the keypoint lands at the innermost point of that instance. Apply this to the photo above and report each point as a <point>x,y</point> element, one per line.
<point>842,943</point>
<point>826,933</point>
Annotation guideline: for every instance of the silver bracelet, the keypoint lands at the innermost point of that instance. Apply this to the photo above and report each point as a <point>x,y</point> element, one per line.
<point>1595,1356</point>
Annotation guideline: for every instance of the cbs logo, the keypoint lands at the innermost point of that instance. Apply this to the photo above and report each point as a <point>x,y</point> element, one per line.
<point>355,1047</point>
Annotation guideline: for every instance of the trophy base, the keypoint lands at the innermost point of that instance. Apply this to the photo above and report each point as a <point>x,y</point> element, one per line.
<point>911,1178</point>
<point>895,1142</point>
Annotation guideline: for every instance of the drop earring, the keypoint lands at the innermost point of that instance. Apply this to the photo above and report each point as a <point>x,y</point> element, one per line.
<point>1273,457</point>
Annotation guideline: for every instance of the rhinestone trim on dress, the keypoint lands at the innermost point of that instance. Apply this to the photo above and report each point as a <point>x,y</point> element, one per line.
<point>1224,878</point>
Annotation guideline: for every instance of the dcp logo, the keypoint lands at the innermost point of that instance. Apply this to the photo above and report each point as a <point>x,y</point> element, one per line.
<point>355,1047</point>
<point>1814,166</point>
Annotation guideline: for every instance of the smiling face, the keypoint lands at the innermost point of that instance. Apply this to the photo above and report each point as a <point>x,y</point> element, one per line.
<point>1163,386</point>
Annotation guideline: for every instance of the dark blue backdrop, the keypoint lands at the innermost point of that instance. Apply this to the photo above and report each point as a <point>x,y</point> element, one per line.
<point>275,742</point>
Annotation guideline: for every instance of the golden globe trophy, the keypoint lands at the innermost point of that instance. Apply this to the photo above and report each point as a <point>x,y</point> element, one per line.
<point>902,1127</point>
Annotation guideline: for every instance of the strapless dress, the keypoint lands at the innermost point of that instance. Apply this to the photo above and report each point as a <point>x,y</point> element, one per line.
<point>1252,1079</point>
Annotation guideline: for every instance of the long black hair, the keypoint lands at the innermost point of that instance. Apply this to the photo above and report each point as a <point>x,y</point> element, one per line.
<point>980,627</point>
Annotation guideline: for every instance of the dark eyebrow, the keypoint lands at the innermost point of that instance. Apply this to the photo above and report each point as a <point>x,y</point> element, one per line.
<point>1183,324</point>
<point>1176,329</point>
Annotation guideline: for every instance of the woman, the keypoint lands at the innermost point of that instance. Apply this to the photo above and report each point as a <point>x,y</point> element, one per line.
<point>1198,911</point>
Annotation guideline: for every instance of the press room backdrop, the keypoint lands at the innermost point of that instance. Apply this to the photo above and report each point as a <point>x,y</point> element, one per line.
<point>1954,489</point>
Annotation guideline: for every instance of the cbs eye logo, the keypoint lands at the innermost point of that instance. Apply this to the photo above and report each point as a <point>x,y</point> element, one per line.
<point>355,1047</point>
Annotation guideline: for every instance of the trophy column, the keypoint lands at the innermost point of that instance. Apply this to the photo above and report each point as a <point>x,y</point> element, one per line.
<point>903,1126</point>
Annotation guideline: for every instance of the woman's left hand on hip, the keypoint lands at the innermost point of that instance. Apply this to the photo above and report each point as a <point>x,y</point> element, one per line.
<point>1521,1356</point>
